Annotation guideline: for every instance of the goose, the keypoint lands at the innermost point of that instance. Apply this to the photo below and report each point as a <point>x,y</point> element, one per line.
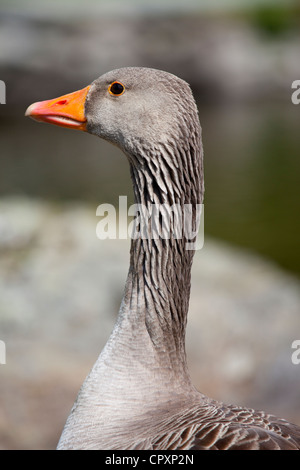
<point>139,393</point>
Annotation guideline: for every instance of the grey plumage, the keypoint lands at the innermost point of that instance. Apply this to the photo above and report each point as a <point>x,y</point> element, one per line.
<point>139,394</point>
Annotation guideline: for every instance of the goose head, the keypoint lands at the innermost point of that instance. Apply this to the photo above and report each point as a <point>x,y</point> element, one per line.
<point>138,109</point>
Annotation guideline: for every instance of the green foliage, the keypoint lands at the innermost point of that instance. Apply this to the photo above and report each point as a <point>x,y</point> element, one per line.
<point>276,19</point>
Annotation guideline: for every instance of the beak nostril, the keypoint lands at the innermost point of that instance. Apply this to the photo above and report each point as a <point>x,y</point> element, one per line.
<point>62,102</point>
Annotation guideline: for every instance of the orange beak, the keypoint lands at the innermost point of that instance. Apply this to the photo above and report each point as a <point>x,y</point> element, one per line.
<point>65,111</point>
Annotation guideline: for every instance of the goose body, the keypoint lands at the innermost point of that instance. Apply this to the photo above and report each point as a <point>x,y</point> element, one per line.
<point>139,394</point>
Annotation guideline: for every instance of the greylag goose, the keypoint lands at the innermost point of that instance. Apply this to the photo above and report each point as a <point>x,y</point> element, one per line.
<point>139,394</point>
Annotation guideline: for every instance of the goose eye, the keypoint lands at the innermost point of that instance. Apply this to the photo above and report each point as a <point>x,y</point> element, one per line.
<point>116,88</point>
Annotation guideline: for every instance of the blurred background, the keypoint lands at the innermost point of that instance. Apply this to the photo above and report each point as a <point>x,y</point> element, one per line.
<point>60,287</point>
